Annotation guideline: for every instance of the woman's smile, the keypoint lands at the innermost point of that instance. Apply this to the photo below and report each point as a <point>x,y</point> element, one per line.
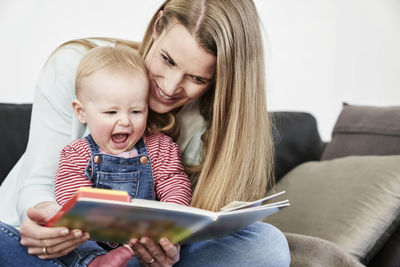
<point>162,96</point>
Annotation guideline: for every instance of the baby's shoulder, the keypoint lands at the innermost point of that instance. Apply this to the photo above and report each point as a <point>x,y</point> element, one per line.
<point>160,142</point>
<point>77,146</point>
<point>157,138</point>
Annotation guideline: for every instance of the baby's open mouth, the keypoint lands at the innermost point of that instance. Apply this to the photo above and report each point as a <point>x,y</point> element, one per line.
<point>119,138</point>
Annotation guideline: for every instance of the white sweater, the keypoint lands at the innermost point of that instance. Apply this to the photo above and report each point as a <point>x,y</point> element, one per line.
<point>53,125</point>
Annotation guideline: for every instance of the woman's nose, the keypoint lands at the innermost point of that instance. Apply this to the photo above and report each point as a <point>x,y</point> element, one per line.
<point>173,83</point>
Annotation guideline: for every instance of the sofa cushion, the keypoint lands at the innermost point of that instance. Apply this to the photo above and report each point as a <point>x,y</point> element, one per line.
<point>312,251</point>
<point>365,130</point>
<point>15,120</point>
<point>352,201</point>
<point>296,139</point>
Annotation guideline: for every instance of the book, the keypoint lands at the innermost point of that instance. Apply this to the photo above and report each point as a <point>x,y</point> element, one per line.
<point>110,215</point>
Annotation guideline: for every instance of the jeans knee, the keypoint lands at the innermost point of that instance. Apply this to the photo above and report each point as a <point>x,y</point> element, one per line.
<point>274,245</point>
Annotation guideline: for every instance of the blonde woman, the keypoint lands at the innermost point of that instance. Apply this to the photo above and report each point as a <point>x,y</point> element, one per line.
<point>205,61</point>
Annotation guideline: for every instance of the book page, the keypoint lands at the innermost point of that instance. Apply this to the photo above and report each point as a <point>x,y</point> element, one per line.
<point>235,205</point>
<point>229,222</point>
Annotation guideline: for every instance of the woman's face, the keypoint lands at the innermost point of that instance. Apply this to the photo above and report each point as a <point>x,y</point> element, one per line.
<point>180,70</point>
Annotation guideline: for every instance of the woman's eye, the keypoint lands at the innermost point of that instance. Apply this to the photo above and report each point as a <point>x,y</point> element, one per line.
<point>198,80</point>
<point>168,60</point>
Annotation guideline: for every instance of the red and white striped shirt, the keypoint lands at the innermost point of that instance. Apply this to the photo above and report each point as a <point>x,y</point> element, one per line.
<point>170,180</point>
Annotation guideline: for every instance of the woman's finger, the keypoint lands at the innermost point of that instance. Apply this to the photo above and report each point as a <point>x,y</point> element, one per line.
<point>61,249</point>
<point>28,241</point>
<point>32,229</point>
<point>172,251</point>
<point>141,252</point>
<point>154,250</point>
<point>43,211</point>
<point>54,246</point>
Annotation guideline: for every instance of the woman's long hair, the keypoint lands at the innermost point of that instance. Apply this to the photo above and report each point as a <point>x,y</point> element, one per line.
<point>237,144</point>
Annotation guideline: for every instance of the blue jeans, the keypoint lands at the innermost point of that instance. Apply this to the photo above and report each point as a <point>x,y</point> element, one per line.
<point>259,244</point>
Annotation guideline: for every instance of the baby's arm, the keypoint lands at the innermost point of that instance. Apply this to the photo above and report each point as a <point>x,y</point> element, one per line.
<point>170,180</point>
<point>70,175</point>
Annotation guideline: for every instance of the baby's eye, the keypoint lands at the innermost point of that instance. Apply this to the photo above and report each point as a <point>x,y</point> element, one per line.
<point>135,111</point>
<point>110,112</point>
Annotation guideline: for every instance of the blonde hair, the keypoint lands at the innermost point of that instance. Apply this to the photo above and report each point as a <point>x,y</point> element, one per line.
<point>119,58</point>
<point>237,144</point>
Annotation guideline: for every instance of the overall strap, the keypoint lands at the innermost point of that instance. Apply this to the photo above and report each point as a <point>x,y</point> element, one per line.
<point>141,147</point>
<point>94,149</point>
<point>92,145</point>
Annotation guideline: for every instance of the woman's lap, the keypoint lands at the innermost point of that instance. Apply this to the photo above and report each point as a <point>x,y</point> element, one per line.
<point>12,253</point>
<point>258,244</point>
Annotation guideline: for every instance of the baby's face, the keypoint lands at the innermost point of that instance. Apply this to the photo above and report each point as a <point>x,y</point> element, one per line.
<point>116,108</point>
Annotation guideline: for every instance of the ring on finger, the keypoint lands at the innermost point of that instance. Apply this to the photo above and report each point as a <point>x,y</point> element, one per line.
<point>151,261</point>
<point>44,250</point>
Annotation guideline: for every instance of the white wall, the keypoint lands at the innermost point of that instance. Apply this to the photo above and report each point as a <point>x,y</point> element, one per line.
<point>320,52</point>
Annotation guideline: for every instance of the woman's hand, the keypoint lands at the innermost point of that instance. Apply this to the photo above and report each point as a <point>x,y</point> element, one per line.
<point>46,242</point>
<point>149,253</point>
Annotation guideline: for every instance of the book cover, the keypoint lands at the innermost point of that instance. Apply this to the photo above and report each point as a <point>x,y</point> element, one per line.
<point>110,215</point>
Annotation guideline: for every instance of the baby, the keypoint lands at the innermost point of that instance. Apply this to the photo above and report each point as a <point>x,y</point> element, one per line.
<point>120,152</point>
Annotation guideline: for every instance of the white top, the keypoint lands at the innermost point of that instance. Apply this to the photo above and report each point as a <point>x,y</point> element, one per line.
<point>53,125</point>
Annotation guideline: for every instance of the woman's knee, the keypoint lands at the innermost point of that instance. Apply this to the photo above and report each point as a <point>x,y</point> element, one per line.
<point>259,244</point>
<point>271,245</point>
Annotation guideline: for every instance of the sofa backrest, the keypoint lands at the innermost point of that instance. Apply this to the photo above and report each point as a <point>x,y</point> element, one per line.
<point>297,140</point>
<point>296,137</point>
<point>14,121</point>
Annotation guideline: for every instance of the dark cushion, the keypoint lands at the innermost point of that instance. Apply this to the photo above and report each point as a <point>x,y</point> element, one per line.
<point>297,140</point>
<point>365,130</point>
<point>15,120</point>
<point>388,256</point>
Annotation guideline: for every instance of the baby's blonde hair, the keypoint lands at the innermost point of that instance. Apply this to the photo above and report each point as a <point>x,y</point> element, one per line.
<point>119,58</point>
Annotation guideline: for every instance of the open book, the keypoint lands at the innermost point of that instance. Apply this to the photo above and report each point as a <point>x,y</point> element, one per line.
<point>110,215</point>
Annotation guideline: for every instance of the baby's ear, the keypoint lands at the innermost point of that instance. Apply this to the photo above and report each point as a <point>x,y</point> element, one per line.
<point>79,110</point>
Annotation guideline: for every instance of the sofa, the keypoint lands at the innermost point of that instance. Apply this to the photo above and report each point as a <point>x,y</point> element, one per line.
<point>345,194</point>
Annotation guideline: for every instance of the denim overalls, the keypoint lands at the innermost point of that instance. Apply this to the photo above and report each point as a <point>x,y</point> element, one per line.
<point>133,175</point>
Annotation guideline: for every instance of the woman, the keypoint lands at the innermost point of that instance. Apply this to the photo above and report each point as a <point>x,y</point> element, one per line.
<point>205,60</point>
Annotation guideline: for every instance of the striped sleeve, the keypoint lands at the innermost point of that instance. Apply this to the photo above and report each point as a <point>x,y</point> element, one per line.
<point>170,180</point>
<point>70,175</point>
